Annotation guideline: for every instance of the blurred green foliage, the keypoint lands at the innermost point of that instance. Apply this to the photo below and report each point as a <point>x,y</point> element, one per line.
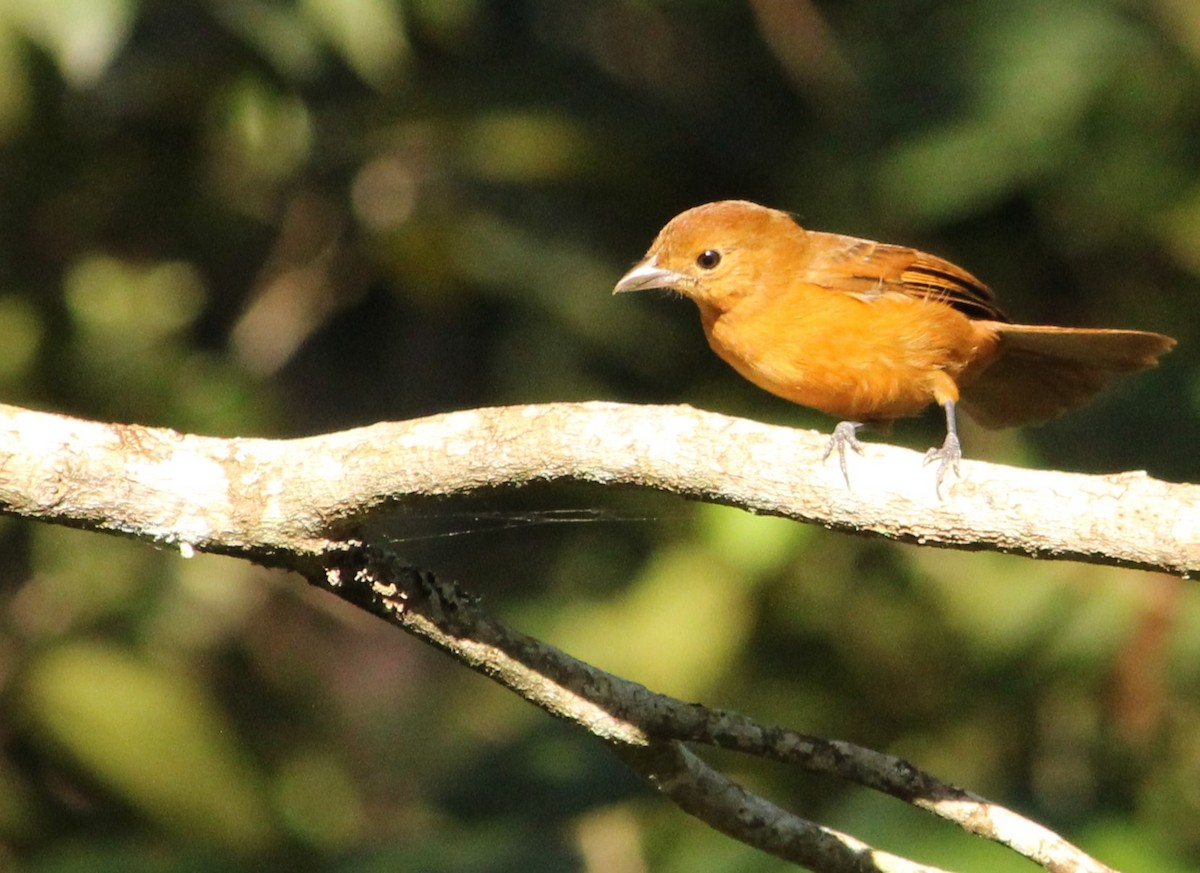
<point>270,217</point>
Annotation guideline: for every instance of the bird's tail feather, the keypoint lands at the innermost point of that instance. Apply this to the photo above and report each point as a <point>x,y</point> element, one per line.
<point>1042,371</point>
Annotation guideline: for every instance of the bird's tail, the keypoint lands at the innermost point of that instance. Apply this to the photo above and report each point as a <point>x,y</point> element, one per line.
<point>1043,371</point>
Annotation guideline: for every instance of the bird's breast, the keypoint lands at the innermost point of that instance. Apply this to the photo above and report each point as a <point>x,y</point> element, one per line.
<point>853,358</point>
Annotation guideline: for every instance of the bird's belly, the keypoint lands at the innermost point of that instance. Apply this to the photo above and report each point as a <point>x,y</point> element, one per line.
<point>878,361</point>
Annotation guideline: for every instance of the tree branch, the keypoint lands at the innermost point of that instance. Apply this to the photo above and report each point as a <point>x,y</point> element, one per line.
<point>728,807</point>
<point>647,729</point>
<point>296,496</point>
<point>291,503</point>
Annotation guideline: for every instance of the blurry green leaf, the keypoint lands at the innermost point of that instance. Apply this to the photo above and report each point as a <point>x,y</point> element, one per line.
<point>133,304</point>
<point>369,34</point>
<point>999,604</point>
<point>676,629</point>
<point>83,36</point>
<point>151,737</point>
<point>563,279</point>
<point>15,97</point>
<point>1037,72</point>
<point>264,135</point>
<point>965,750</point>
<point>277,30</point>
<point>1168,790</point>
<point>318,801</point>
<point>957,169</point>
<point>1102,619</point>
<point>754,543</point>
<point>1128,845</point>
<point>18,805</point>
<point>449,21</point>
<point>677,844</point>
<point>83,578</point>
<point>212,394</point>
<point>1181,19</point>
<point>1185,646</point>
<point>525,147</point>
<point>1180,230</point>
<point>212,598</point>
<point>1043,62</point>
<point>20,336</point>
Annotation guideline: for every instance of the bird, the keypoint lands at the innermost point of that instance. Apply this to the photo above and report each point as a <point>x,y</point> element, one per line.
<point>870,332</point>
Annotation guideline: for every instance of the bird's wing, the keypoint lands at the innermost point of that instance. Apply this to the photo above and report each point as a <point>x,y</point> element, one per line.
<point>869,269</point>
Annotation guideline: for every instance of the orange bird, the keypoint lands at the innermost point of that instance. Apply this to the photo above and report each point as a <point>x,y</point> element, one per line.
<point>870,332</point>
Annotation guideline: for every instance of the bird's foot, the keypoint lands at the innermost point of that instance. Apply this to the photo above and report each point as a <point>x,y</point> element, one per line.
<point>845,435</point>
<point>947,457</point>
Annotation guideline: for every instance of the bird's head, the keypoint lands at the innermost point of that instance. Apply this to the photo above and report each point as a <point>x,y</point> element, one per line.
<point>717,252</point>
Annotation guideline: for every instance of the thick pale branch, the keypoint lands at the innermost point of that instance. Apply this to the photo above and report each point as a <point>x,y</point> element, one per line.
<point>289,503</point>
<point>285,496</point>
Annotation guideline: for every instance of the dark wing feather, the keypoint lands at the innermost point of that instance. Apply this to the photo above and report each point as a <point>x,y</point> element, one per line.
<point>870,269</point>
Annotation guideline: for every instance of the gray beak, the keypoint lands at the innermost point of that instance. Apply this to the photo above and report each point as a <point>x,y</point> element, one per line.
<point>648,275</point>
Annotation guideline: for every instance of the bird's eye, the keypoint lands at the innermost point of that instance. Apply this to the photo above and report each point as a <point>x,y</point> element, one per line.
<point>708,259</point>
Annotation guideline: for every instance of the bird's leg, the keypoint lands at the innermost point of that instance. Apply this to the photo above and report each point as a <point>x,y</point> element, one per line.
<point>950,453</point>
<point>844,435</point>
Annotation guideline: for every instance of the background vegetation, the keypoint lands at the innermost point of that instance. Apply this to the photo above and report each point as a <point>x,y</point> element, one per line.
<point>277,218</point>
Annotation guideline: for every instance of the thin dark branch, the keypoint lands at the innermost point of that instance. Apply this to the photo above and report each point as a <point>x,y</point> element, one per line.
<point>889,775</point>
<point>721,803</point>
<point>646,728</point>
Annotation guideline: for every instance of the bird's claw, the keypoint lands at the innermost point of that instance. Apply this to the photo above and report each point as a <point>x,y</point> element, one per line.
<point>947,457</point>
<point>845,435</point>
